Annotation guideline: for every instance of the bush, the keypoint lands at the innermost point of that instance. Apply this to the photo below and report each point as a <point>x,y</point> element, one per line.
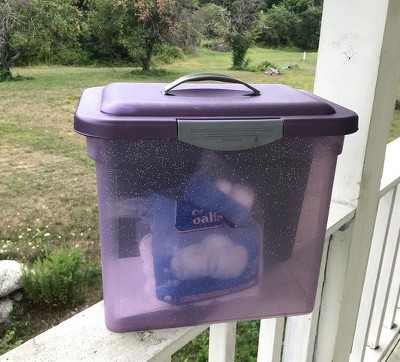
<point>167,54</point>
<point>58,280</point>
<point>263,66</point>
<point>397,105</point>
<point>260,67</point>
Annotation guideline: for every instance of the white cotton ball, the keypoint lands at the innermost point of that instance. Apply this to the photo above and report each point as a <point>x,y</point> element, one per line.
<point>226,259</point>
<point>190,263</point>
<point>224,186</point>
<point>243,195</point>
<point>217,256</point>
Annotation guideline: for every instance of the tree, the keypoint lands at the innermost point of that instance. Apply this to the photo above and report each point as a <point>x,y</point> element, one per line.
<point>55,31</point>
<point>242,21</point>
<point>151,25</point>
<point>278,27</point>
<point>11,19</point>
<point>213,19</point>
<point>107,21</point>
<point>308,29</point>
<point>52,32</point>
<point>130,29</point>
<point>186,31</point>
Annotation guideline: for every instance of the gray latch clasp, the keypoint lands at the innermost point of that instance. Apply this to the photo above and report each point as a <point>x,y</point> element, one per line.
<point>229,134</point>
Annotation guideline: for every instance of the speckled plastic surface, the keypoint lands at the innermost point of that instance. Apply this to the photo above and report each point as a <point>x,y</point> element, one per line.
<point>194,236</point>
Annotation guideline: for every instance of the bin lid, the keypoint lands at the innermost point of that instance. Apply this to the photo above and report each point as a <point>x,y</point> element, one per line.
<point>147,111</point>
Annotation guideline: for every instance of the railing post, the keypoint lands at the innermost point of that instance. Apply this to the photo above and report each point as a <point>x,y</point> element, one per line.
<point>222,342</point>
<point>385,280</point>
<point>373,272</point>
<point>270,340</point>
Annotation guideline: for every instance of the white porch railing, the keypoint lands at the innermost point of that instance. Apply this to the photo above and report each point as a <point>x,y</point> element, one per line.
<point>305,338</point>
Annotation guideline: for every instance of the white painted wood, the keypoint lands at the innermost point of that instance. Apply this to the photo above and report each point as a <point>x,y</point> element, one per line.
<point>358,67</point>
<point>391,168</point>
<point>385,280</point>
<point>85,337</point>
<point>394,293</point>
<point>389,339</point>
<point>348,61</point>
<point>372,276</point>
<point>339,215</point>
<point>331,294</point>
<point>301,331</point>
<point>270,340</point>
<point>298,338</point>
<point>222,342</point>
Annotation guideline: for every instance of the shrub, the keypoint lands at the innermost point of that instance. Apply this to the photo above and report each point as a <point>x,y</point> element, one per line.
<point>58,280</point>
<point>263,66</point>
<point>260,67</point>
<point>397,105</point>
<point>167,54</point>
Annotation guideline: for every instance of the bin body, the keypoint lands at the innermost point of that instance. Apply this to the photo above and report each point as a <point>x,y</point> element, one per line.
<point>196,235</point>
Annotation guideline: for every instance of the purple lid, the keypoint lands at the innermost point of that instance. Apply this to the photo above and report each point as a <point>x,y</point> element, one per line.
<point>142,110</point>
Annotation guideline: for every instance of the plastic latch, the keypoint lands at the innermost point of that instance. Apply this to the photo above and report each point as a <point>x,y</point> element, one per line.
<point>229,134</point>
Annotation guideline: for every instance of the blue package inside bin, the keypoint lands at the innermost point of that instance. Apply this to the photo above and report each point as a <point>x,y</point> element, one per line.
<point>205,245</point>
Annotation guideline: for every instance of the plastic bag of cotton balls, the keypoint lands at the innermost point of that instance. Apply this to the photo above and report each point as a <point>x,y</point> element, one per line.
<point>206,244</point>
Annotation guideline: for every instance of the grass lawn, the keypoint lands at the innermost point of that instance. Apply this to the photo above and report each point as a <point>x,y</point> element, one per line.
<point>47,185</point>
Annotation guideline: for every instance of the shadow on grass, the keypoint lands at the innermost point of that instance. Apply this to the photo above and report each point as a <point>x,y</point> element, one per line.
<point>17,78</point>
<point>152,74</point>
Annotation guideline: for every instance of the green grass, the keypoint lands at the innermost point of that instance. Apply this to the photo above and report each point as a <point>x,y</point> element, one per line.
<point>47,184</point>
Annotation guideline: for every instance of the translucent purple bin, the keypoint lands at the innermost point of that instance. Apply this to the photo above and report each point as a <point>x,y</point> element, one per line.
<point>213,198</point>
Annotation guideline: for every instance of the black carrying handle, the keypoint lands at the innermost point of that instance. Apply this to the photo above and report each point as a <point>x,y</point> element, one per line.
<point>208,76</point>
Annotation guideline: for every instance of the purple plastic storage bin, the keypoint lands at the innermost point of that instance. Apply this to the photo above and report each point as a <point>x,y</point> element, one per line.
<point>213,198</point>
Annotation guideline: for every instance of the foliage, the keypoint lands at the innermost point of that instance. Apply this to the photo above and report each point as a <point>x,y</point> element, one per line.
<point>397,104</point>
<point>246,345</point>
<point>135,30</point>
<point>11,19</point>
<point>120,32</point>
<point>278,27</point>
<point>241,29</point>
<point>167,54</point>
<point>187,30</point>
<point>9,341</point>
<point>292,23</point>
<point>58,280</point>
<point>213,20</point>
<point>106,19</point>
<point>262,67</point>
<point>53,33</point>
<point>154,20</point>
<point>306,36</point>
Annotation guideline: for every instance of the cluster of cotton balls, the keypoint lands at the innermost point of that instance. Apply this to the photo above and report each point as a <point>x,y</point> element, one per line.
<point>216,256</point>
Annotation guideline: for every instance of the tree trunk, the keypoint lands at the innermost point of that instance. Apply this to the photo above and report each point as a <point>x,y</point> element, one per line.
<point>145,63</point>
<point>5,72</point>
<point>146,59</point>
<point>5,65</point>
